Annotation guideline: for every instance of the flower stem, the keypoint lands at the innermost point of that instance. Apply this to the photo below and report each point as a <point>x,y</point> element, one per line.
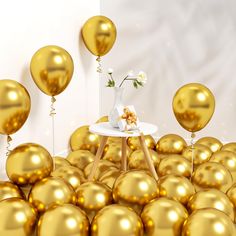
<point>126,78</point>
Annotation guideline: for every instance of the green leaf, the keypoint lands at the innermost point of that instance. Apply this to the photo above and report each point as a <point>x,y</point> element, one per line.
<point>135,84</point>
<point>139,83</point>
<point>110,83</point>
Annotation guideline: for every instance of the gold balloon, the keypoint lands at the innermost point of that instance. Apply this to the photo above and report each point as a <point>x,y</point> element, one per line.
<point>210,222</point>
<point>92,197</point>
<point>213,143</point>
<point>201,154</point>
<point>80,158</point>
<point>227,159</point>
<point>175,164</point>
<point>70,174</point>
<point>135,189</point>
<point>60,161</point>
<point>49,192</point>
<point>103,166</point>
<point>116,220</point>
<point>99,35</point>
<point>171,144</point>
<point>211,198</point>
<point>193,106</point>
<point>176,187</point>
<point>109,177</point>
<point>164,217</point>
<point>84,140</point>
<point>102,119</point>
<point>134,144</point>
<point>51,68</point>
<point>9,190</point>
<point>137,159</point>
<point>28,163</point>
<point>14,106</point>
<point>66,220</point>
<point>229,147</point>
<point>212,175</point>
<point>18,218</point>
<point>231,193</point>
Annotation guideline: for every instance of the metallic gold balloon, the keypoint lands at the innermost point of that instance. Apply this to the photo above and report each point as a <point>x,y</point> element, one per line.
<point>49,192</point>
<point>51,68</point>
<point>227,159</point>
<point>99,35</point>
<point>211,198</point>
<point>9,190</point>
<point>135,189</point>
<point>171,144</point>
<point>60,161</point>
<point>213,143</point>
<point>164,217</point>
<point>212,175</point>
<point>18,218</point>
<point>84,140</point>
<point>66,220</point>
<point>176,187</point>
<point>92,197</point>
<point>14,106</point>
<point>109,177</point>
<point>201,154</point>
<point>103,166</point>
<point>231,193</point>
<point>210,222</point>
<point>193,106</point>
<point>134,144</point>
<point>28,163</point>
<point>102,119</point>
<point>229,147</point>
<point>80,158</point>
<point>137,159</point>
<point>116,220</point>
<point>70,174</point>
<point>175,164</point>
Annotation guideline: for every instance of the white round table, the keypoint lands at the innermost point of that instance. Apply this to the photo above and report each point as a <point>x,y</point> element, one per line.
<point>105,130</point>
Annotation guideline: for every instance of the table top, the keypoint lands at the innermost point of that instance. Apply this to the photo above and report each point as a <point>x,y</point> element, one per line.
<point>105,129</point>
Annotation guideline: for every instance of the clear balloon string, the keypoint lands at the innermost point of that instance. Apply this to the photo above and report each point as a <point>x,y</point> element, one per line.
<point>52,114</point>
<point>8,151</point>
<point>192,149</point>
<point>99,67</point>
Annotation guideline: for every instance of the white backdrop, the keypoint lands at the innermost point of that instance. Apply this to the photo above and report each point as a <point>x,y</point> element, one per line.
<point>26,26</point>
<point>175,42</point>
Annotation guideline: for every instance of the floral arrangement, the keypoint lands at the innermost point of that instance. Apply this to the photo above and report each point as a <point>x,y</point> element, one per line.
<point>138,81</point>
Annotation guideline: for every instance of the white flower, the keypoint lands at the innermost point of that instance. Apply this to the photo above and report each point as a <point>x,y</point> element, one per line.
<point>110,71</point>
<point>142,77</point>
<point>130,73</point>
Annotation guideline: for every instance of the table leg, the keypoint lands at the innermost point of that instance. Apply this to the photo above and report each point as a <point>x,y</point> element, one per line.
<point>147,156</point>
<point>97,157</point>
<point>124,155</point>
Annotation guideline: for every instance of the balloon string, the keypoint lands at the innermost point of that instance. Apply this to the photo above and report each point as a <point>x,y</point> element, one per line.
<point>192,148</point>
<point>99,67</point>
<point>9,139</point>
<point>52,113</point>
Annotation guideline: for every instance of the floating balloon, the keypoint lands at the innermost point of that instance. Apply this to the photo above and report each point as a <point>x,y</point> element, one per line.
<point>208,221</point>
<point>49,192</point>
<point>80,158</point>
<point>64,220</point>
<point>211,198</point>
<point>9,190</point>
<point>84,140</point>
<point>193,106</point>
<point>28,163</point>
<point>134,143</point>
<point>212,175</point>
<point>116,220</point>
<point>229,147</point>
<point>174,164</point>
<point>171,144</point>
<point>176,187</point>
<point>51,68</point>
<point>213,143</point>
<point>135,189</point>
<point>60,161</point>
<point>163,217</point>
<point>92,197</point>
<point>18,218</point>
<point>14,106</point>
